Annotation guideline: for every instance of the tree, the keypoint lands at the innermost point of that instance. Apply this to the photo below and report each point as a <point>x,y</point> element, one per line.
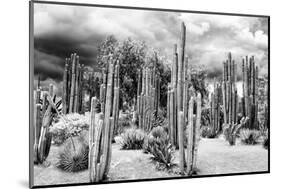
<point>131,55</point>
<point>198,78</point>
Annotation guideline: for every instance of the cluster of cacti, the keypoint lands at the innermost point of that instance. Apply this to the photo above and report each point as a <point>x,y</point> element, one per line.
<point>178,90</point>
<point>148,94</point>
<point>229,91</point>
<point>183,124</point>
<point>230,100</point>
<point>215,110</point>
<point>250,91</point>
<point>72,85</point>
<point>43,117</point>
<point>101,130</point>
<point>263,102</point>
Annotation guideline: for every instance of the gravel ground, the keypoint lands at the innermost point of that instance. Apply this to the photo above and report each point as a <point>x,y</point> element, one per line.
<point>215,156</point>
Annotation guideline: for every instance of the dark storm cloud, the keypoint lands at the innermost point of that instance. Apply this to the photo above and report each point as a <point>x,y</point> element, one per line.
<point>61,30</point>
<point>47,66</point>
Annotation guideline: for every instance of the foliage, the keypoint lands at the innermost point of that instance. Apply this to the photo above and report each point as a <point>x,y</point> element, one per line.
<point>231,132</point>
<point>158,144</point>
<point>132,55</point>
<point>198,81</point>
<point>249,136</point>
<point>265,141</point>
<point>124,122</point>
<point>158,120</point>
<point>68,125</point>
<point>206,127</point>
<point>132,139</point>
<point>73,155</point>
<point>205,117</point>
<point>206,132</point>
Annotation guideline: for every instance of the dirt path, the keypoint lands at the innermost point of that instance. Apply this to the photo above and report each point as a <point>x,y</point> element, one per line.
<point>215,157</point>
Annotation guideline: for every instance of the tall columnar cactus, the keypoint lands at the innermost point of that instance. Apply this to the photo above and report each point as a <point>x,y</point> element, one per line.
<point>65,87</point>
<point>101,130</point>
<point>230,100</point>
<point>250,91</point>
<point>179,89</point>
<point>229,91</point>
<point>103,90</point>
<point>72,85</point>
<point>147,96</point>
<point>184,125</point>
<point>188,164</point>
<point>215,110</point>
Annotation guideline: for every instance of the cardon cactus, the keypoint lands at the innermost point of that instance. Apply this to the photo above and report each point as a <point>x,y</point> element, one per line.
<point>147,96</point>
<point>101,130</point>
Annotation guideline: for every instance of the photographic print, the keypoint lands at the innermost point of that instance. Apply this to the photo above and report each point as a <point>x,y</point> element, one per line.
<point>121,94</point>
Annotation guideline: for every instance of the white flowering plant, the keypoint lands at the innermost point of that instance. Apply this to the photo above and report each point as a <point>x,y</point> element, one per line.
<point>69,125</point>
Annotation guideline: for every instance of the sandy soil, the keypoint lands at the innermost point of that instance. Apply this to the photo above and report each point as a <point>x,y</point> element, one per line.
<point>215,156</point>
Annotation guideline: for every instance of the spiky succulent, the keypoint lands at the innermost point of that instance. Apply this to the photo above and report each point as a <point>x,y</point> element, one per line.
<point>73,156</point>
<point>132,139</point>
<point>249,136</point>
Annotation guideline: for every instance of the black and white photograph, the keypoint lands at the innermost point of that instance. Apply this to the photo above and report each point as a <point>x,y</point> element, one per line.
<point>122,94</point>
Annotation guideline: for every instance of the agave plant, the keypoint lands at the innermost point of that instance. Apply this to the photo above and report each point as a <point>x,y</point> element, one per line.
<point>73,155</point>
<point>50,109</point>
<point>132,139</point>
<point>159,146</point>
<point>249,136</point>
<point>231,131</point>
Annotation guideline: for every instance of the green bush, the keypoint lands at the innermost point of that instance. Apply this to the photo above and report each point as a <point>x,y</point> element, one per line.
<point>132,139</point>
<point>68,125</point>
<point>159,146</point>
<point>249,136</point>
<point>73,155</point>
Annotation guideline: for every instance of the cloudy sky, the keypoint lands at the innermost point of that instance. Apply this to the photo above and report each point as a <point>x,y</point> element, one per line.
<point>62,29</point>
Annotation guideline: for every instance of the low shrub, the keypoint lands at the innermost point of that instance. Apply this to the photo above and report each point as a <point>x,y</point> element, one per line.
<point>231,132</point>
<point>206,132</point>
<point>265,142</point>
<point>249,136</point>
<point>132,139</point>
<point>159,146</point>
<point>73,156</point>
<point>68,125</point>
